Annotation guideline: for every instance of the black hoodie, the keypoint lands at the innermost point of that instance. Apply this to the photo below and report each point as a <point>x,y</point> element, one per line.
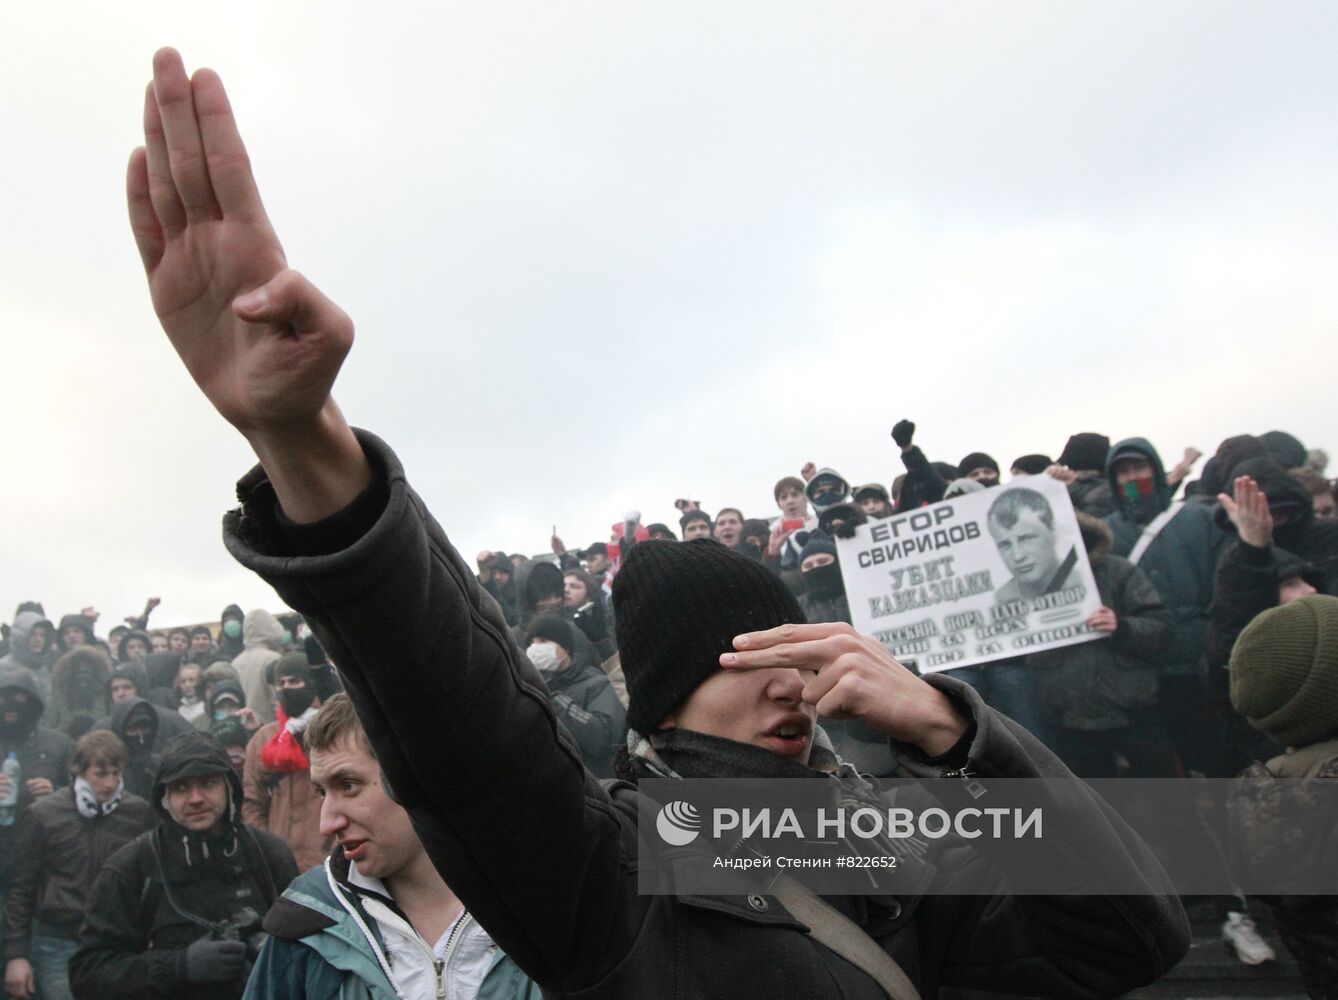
<point>230,648</point>
<point>171,886</point>
<point>143,763</point>
<point>169,723</point>
<point>41,753</point>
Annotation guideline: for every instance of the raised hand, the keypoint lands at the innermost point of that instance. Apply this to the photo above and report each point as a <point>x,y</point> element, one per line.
<point>262,342</point>
<point>1249,512</point>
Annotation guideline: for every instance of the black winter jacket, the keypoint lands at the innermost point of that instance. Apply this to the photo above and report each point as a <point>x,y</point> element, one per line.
<point>535,848</point>
<point>60,852</point>
<point>41,753</point>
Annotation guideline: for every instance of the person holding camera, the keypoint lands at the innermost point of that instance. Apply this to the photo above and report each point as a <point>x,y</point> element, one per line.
<point>177,912</point>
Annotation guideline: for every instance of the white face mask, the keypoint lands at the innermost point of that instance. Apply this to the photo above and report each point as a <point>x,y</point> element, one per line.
<point>544,656</point>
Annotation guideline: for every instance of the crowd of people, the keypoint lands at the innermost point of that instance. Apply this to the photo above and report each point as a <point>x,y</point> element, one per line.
<point>206,814</point>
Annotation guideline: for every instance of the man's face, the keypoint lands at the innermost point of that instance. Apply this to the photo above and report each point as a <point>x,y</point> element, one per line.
<point>103,779</point>
<point>188,680</point>
<point>73,636</point>
<point>13,706</point>
<point>136,648</point>
<point>1128,470</point>
<point>763,708</point>
<point>178,642</point>
<point>501,575</point>
<point>38,637</point>
<point>372,828</point>
<point>596,563</point>
<point>198,802</point>
<point>121,689</point>
<point>727,528</point>
<point>1326,508</point>
<point>1027,548</point>
<point>201,642</point>
<point>573,591</point>
<point>792,504</point>
<point>815,560</point>
<point>159,643</point>
<point>697,529</point>
<point>1293,589</point>
<point>984,474</point>
<point>873,506</point>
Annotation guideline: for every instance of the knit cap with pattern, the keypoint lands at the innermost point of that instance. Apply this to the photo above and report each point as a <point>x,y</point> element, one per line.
<point>678,606</point>
<point>1284,671</point>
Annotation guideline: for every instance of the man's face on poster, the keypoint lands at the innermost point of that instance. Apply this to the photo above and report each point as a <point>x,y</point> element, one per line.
<point>1027,548</point>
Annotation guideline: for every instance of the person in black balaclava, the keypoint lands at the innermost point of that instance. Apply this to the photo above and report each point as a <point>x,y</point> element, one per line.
<point>230,643</point>
<point>980,467</point>
<point>177,912</point>
<point>129,681</point>
<point>135,721</point>
<point>753,538</point>
<point>824,596</point>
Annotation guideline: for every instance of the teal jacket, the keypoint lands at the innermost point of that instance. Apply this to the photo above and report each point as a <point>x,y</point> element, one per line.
<point>324,948</point>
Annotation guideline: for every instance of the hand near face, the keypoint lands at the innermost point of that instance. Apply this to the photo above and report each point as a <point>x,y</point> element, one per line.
<point>857,678</point>
<point>1249,512</point>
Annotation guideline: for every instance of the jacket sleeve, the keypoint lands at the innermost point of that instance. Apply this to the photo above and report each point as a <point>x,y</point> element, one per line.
<point>599,725</point>
<point>1246,583</point>
<point>1088,942</point>
<point>255,801</point>
<point>460,721</point>
<point>922,476</point>
<point>1144,624</point>
<point>113,961</point>
<point>21,900</point>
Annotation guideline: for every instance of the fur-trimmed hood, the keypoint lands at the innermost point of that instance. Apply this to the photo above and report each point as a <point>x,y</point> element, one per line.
<point>1097,538</point>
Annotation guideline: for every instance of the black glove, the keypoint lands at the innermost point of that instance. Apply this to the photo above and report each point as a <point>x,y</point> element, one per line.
<point>902,433</point>
<point>209,961</point>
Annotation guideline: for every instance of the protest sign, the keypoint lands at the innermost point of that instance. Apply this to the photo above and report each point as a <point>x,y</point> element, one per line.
<point>996,573</point>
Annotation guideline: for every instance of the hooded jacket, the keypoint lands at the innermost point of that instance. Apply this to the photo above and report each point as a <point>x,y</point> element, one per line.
<point>20,657</point>
<point>533,580</point>
<point>229,648</point>
<point>221,687</point>
<point>79,691</point>
<point>170,887</point>
<point>325,945</point>
<point>262,636</point>
<point>41,753</point>
<point>1094,685</point>
<point>169,723</point>
<point>78,621</point>
<point>60,851</point>
<point>284,804</point>
<point>142,767</point>
<point>1180,562</point>
<point>541,854</point>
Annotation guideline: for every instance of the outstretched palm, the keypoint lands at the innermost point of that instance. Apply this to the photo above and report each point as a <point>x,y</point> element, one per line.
<point>205,240</point>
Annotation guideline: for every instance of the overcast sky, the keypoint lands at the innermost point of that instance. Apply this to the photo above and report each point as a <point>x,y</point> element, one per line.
<point>601,255</point>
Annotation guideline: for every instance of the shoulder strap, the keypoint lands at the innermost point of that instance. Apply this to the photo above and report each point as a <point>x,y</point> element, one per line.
<point>1153,529</point>
<point>1303,763</point>
<point>830,927</point>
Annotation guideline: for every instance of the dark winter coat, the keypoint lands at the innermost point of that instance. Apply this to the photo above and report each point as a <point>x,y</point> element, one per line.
<point>1093,686</point>
<point>537,851</point>
<point>41,753</point>
<point>60,852</point>
<point>1091,494</point>
<point>79,694</point>
<point>1180,562</point>
<point>923,483</point>
<point>584,701</point>
<point>169,887</point>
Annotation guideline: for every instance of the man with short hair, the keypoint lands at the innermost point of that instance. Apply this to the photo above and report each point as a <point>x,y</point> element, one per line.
<point>63,843</point>
<point>1022,524</point>
<point>375,919</point>
<point>201,641</point>
<point>695,524</point>
<point>76,630</point>
<point>176,913</point>
<point>724,678</point>
<point>728,524</point>
<point>874,500</point>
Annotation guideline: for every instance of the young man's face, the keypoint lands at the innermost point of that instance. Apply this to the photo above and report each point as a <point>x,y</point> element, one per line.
<point>159,643</point>
<point>121,689</point>
<point>374,831</point>
<point>763,708</point>
<point>696,529</point>
<point>1027,548</point>
<point>188,680</point>
<point>136,649</point>
<point>596,563</point>
<point>38,638</point>
<point>201,642</point>
<point>873,506</point>
<point>178,642</point>
<point>727,528</point>
<point>573,591</point>
<point>73,636</point>
<point>103,779</point>
<point>792,503</point>
<point>1325,507</point>
<point>1128,470</point>
<point>198,802</point>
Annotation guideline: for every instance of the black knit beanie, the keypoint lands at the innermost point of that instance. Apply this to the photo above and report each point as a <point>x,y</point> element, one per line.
<point>1032,465</point>
<point>693,515</point>
<point>1086,452</point>
<point>677,608</point>
<point>976,460</point>
<point>552,628</point>
<point>294,665</point>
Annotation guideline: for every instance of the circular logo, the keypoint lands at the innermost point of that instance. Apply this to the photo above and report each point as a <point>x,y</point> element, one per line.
<point>678,824</point>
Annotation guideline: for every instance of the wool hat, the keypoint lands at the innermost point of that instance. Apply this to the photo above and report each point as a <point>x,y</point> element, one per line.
<point>976,460</point>
<point>294,665</point>
<point>693,515</point>
<point>872,490</point>
<point>818,542</point>
<point>659,528</point>
<point>551,628</point>
<point>1085,452</point>
<point>1284,671</point>
<point>677,608</point>
<point>1033,465</point>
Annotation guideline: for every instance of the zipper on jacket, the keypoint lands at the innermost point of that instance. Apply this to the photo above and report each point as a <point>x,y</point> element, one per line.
<point>440,965</point>
<point>451,941</point>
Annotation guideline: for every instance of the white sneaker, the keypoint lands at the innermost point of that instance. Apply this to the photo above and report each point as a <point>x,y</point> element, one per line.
<point>1240,934</point>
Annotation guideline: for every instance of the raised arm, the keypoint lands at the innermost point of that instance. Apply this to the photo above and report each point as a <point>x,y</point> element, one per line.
<point>261,341</point>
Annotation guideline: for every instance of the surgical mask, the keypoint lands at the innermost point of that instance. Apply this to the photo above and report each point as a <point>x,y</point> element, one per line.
<point>295,701</point>
<point>223,713</point>
<point>232,628</point>
<point>287,637</point>
<point>544,656</point>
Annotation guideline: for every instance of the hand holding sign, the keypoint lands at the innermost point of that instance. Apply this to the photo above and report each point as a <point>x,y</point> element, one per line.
<point>855,677</point>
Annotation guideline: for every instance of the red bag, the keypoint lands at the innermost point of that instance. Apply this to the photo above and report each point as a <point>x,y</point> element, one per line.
<point>283,754</point>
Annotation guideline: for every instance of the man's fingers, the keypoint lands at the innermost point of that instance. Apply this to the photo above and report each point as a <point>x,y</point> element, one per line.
<point>181,130</point>
<point>809,655</point>
<point>791,633</point>
<point>289,298</point>
<point>225,154</point>
<point>162,189</point>
<point>143,221</point>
